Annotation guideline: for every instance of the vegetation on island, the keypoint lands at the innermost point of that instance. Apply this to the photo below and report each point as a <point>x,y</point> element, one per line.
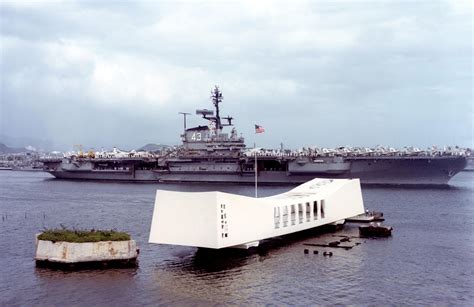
<point>82,236</point>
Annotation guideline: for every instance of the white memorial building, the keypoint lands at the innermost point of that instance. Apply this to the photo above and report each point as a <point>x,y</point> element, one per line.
<point>219,220</point>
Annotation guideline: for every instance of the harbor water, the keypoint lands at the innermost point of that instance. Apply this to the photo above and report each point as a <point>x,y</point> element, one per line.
<point>428,260</point>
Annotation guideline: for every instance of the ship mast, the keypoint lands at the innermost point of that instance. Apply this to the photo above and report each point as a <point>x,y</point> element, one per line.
<point>216,97</point>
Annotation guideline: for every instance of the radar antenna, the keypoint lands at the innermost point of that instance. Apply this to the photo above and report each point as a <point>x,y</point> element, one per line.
<point>216,97</point>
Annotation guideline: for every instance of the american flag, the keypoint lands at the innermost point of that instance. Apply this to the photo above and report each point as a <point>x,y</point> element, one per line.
<point>259,129</point>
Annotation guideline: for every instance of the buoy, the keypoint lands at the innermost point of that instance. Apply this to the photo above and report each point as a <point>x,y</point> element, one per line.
<point>327,254</point>
<point>315,252</point>
<point>306,251</point>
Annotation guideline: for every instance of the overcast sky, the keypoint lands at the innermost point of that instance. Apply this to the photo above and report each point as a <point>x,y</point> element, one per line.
<point>312,73</point>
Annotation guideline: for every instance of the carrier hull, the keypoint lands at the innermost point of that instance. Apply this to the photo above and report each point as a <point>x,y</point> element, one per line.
<point>380,171</point>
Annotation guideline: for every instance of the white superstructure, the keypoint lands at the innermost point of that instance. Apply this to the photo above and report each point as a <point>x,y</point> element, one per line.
<point>218,220</point>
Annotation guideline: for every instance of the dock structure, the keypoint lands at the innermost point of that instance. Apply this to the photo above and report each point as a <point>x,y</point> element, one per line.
<point>220,220</point>
<point>367,217</point>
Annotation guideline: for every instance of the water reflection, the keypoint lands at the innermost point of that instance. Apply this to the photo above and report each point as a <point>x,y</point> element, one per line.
<point>85,287</point>
<point>214,261</point>
<point>245,276</point>
<point>217,260</point>
<point>50,274</point>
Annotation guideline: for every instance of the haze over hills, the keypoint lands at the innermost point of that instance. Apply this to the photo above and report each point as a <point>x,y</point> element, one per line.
<point>10,144</point>
<point>26,143</point>
<point>4,149</point>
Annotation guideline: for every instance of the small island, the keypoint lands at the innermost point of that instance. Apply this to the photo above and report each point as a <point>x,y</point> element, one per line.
<point>74,249</point>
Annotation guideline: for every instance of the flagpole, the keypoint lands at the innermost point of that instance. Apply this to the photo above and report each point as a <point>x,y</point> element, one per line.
<point>255,168</point>
<point>258,129</point>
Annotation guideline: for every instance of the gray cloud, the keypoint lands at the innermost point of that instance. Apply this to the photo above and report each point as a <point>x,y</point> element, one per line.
<point>323,73</point>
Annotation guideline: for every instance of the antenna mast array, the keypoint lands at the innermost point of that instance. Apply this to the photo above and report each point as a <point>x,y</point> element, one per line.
<point>216,97</point>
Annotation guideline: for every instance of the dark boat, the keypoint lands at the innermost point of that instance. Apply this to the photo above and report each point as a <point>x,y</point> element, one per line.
<point>375,230</point>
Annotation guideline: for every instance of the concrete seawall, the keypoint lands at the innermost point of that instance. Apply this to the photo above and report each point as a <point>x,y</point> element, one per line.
<point>88,252</point>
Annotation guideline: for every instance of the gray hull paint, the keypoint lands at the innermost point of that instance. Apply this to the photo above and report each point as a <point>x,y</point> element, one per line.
<point>470,165</point>
<point>408,171</point>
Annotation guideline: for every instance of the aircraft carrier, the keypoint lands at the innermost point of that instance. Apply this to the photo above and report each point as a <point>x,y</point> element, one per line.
<point>210,155</point>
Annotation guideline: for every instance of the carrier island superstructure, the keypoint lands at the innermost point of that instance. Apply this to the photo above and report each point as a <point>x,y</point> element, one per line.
<point>208,154</point>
